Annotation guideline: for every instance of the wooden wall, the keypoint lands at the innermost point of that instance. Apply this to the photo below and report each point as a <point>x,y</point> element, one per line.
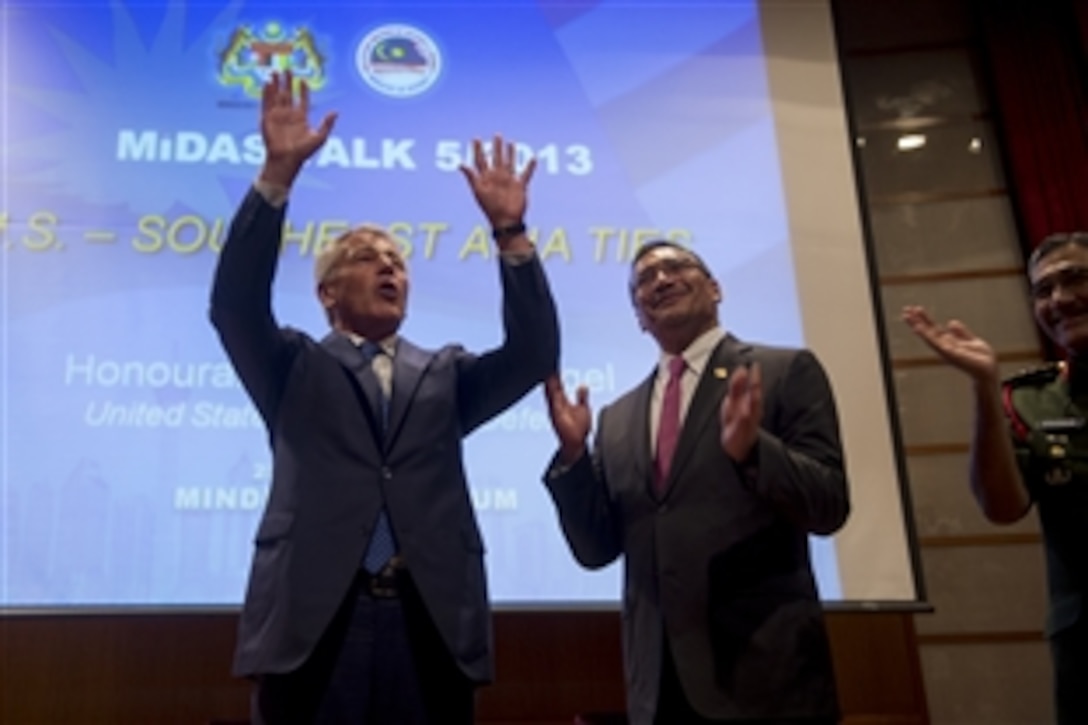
<point>172,669</point>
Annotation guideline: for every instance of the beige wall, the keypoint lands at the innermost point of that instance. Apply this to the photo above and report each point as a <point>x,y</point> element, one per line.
<point>944,235</point>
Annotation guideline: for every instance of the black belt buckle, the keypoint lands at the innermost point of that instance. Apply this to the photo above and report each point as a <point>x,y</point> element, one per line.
<point>385,584</point>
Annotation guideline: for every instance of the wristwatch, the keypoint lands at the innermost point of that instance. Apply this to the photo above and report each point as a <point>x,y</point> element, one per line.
<point>500,233</point>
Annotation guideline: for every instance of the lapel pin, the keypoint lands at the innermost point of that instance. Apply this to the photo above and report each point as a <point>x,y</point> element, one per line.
<point>721,373</point>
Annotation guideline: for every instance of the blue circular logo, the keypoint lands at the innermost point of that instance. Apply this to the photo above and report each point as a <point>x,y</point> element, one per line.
<point>398,60</point>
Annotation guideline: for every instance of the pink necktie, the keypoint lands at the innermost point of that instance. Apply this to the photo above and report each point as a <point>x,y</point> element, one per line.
<point>668,429</point>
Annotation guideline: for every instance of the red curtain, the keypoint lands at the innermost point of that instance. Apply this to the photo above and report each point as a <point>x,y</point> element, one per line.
<point>1035,57</point>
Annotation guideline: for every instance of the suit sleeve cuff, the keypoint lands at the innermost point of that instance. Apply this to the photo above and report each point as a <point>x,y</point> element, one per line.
<point>516,259</point>
<point>558,469</point>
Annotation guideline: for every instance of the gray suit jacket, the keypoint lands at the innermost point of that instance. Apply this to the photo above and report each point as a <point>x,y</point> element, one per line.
<point>720,566</point>
<point>333,467</point>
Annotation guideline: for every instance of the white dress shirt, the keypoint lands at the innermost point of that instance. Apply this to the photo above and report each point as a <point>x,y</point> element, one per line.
<point>696,356</point>
<point>382,365</point>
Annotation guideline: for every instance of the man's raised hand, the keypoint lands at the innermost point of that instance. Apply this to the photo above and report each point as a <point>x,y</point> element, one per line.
<point>742,412</point>
<point>955,343</point>
<point>285,127</point>
<point>495,182</point>
<point>571,421</point>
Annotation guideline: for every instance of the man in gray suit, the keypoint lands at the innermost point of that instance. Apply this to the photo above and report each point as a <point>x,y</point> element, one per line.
<point>367,599</point>
<point>708,478</point>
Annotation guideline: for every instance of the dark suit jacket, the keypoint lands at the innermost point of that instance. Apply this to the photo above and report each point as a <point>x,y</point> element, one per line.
<point>332,468</point>
<point>721,565</point>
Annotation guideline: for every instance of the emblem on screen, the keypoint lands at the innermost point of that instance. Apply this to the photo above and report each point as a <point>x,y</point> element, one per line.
<point>252,55</point>
<point>398,60</point>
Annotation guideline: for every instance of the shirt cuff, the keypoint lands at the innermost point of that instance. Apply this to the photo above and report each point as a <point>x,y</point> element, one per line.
<point>274,194</point>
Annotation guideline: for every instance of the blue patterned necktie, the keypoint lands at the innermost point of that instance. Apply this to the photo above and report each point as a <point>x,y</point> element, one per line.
<point>382,546</point>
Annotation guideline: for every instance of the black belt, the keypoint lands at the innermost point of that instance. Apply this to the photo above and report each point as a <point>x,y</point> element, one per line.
<point>387,583</point>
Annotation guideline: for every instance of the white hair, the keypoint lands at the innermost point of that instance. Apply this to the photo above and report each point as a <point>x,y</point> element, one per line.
<point>332,254</point>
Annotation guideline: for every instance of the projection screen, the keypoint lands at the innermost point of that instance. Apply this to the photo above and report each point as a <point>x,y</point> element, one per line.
<point>133,469</point>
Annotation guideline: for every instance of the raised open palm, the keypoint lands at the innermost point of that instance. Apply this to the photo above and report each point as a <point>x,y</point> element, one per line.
<point>953,342</point>
<point>285,127</point>
<point>498,187</point>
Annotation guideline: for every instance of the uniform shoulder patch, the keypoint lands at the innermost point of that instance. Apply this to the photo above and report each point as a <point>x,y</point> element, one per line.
<point>1030,383</point>
<point>1034,377</point>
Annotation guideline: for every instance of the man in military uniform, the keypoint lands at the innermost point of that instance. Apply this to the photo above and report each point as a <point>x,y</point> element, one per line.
<point>1045,459</point>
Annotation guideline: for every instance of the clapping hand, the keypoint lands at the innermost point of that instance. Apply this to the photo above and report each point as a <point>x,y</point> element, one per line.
<point>955,343</point>
<point>571,421</point>
<point>741,412</point>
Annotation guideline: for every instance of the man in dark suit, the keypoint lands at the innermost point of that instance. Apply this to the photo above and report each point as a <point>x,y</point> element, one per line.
<point>708,477</point>
<point>367,599</point>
